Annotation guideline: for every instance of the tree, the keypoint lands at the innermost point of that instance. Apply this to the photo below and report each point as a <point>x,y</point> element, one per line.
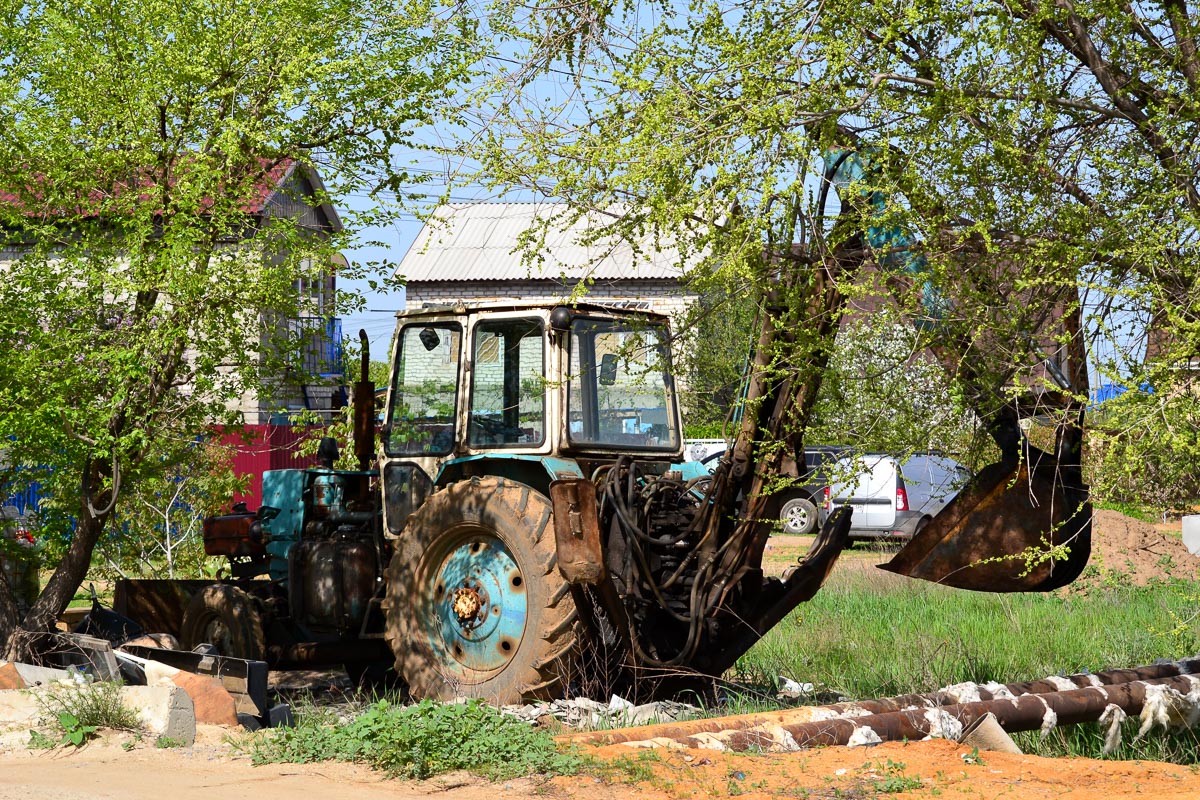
<point>135,140</point>
<point>713,353</point>
<point>155,531</point>
<point>888,396</point>
<point>1007,164</point>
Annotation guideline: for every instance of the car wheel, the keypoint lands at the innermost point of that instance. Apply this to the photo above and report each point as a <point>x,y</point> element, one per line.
<point>798,516</point>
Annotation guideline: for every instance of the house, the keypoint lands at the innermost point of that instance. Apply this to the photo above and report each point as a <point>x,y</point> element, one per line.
<point>289,190</point>
<point>294,191</point>
<point>472,253</point>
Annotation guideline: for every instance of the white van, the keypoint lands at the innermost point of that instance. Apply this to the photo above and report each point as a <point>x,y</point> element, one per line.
<point>891,500</point>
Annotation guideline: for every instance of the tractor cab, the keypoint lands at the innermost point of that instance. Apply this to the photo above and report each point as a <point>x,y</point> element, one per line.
<point>533,393</point>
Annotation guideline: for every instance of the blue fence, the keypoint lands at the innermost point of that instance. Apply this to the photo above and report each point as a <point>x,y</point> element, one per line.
<point>27,500</point>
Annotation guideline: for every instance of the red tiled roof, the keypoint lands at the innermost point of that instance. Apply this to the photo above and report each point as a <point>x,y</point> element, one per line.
<point>264,190</point>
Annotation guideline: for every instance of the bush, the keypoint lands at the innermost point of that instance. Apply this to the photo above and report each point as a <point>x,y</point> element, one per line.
<point>419,741</point>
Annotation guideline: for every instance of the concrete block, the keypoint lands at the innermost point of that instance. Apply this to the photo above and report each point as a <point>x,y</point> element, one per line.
<point>163,711</point>
<point>41,676</point>
<point>211,703</point>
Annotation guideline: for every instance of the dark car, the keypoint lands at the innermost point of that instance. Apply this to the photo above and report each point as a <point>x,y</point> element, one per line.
<point>797,506</point>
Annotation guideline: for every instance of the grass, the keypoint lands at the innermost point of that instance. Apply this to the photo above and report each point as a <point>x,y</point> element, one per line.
<point>79,711</point>
<point>870,634</point>
<point>1175,747</point>
<point>417,741</point>
<point>1130,510</point>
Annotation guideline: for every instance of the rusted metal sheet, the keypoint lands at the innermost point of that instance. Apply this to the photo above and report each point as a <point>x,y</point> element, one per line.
<point>577,531</point>
<point>862,708</point>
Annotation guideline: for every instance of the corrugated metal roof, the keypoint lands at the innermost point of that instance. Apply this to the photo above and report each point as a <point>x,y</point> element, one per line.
<point>481,241</point>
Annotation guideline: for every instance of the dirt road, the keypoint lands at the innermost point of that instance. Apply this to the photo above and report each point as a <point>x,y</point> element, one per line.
<point>937,769</point>
<point>211,770</point>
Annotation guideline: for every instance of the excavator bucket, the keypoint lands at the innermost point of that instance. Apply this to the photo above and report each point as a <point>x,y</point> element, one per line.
<point>1022,525</point>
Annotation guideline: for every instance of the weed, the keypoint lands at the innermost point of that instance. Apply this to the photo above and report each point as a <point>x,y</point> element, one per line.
<point>40,741</point>
<point>419,741</point>
<point>90,705</point>
<point>167,742</point>
<point>74,732</point>
<point>79,710</point>
<point>973,758</point>
<point>627,769</point>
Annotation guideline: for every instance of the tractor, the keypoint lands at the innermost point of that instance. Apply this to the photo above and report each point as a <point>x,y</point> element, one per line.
<point>521,524</point>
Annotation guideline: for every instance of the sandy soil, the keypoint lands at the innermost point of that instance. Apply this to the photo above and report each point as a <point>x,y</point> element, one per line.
<point>211,769</point>
<point>103,771</point>
<point>945,770</point>
<point>1122,546</point>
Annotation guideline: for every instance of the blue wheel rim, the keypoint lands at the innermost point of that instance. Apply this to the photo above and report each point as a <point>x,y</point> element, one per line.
<point>480,605</point>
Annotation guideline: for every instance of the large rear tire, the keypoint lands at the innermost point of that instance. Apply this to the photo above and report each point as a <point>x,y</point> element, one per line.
<point>227,618</point>
<point>475,605</point>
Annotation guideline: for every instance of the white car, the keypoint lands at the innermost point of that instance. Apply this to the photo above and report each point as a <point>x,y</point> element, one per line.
<point>891,500</point>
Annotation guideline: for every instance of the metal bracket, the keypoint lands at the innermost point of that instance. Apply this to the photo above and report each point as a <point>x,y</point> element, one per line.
<point>577,531</point>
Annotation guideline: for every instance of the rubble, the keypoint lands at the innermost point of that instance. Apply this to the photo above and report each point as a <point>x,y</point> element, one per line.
<point>169,698</point>
<point>582,712</point>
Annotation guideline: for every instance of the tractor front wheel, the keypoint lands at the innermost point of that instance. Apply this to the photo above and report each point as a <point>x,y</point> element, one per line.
<point>476,606</point>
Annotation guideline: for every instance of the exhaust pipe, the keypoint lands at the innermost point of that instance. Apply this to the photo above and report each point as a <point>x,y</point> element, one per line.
<point>364,408</point>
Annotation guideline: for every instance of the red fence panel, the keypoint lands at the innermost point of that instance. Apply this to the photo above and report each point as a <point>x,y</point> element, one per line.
<point>258,448</point>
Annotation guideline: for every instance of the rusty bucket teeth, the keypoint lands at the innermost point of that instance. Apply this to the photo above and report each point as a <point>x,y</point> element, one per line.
<point>1018,527</point>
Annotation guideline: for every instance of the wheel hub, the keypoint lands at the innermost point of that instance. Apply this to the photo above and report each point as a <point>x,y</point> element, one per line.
<point>479,606</point>
<point>470,605</point>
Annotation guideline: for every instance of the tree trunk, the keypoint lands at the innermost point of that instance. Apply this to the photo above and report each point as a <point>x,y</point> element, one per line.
<point>69,574</point>
<point>9,619</point>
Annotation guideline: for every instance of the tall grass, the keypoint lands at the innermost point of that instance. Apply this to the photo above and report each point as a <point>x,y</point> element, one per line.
<point>871,634</point>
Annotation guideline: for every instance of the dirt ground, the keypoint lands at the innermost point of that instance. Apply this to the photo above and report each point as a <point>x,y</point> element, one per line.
<point>104,770</point>
<point>936,769</point>
<point>1122,548</point>
<point>1128,547</point>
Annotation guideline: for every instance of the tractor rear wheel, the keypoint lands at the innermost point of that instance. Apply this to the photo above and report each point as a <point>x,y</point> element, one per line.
<point>475,605</point>
<point>225,617</point>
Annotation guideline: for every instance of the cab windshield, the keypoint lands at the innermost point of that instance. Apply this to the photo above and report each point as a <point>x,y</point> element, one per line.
<point>619,391</point>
